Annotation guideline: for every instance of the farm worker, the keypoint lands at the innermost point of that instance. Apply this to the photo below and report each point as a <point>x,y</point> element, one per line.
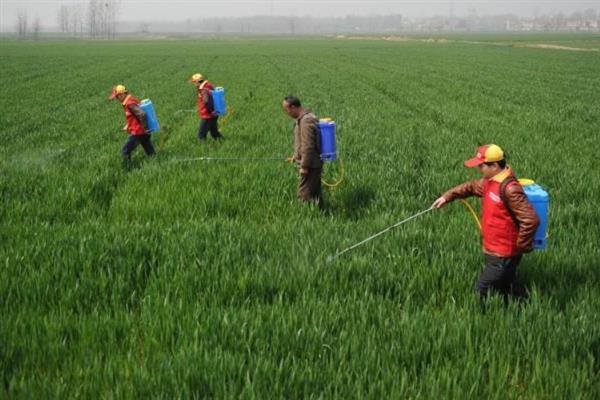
<point>508,223</point>
<point>136,123</point>
<point>206,109</point>
<point>307,150</point>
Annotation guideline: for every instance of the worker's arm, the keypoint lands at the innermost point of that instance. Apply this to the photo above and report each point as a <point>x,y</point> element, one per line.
<point>308,134</point>
<point>296,156</point>
<point>525,215</point>
<point>208,101</point>
<point>468,189</point>
<point>140,115</point>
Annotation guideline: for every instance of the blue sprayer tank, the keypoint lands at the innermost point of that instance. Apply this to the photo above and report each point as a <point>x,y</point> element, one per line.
<point>218,95</point>
<point>327,129</point>
<point>540,200</point>
<point>147,106</point>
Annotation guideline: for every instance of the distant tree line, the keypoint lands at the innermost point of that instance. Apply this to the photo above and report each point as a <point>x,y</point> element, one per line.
<point>98,21</point>
<point>24,30</point>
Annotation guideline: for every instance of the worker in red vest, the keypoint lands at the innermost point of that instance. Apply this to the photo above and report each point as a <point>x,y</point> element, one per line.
<point>206,108</point>
<point>508,221</point>
<point>136,123</point>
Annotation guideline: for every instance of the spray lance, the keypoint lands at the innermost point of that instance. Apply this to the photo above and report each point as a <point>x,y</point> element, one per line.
<point>389,228</point>
<point>275,158</point>
<point>327,134</point>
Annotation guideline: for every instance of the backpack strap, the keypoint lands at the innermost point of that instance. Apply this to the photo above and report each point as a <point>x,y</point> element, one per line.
<point>503,186</point>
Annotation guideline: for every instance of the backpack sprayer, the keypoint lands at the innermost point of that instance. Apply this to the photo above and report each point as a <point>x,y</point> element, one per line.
<point>151,119</point>
<point>219,104</point>
<point>540,201</point>
<point>327,130</point>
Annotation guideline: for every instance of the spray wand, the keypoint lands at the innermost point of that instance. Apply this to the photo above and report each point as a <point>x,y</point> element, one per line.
<point>397,224</point>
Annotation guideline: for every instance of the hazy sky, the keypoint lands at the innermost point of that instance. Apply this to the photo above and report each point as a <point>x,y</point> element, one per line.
<point>152,10</point>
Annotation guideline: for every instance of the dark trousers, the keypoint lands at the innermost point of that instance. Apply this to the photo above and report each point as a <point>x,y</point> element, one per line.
<point>309,188</point>
<point>499,276</point>
<point>132,143</point>
<point>209,125</point>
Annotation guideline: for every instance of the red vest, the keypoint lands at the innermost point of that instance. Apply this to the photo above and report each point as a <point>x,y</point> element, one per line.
<point>133,125</point>
<point>203,112</point>
<point>499,230</point>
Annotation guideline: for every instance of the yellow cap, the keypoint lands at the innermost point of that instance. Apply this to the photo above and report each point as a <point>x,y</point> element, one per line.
<point>494,153</point>
<point>487,153</point>
<point>116,90</point>
<point>197,78</point>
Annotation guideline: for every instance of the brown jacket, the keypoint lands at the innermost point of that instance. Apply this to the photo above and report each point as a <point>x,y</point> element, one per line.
<point>307,143</point>
<point>516,199</point>
<point>140,115</point>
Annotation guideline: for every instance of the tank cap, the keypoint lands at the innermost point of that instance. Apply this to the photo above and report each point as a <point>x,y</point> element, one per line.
<point>526,182</point>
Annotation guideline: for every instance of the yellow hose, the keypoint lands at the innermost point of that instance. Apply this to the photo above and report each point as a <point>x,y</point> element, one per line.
<point>339,181</point>
<point>161,140</point>
<point>473,213</point>
<point>476,218</point>
<point>225,119</point>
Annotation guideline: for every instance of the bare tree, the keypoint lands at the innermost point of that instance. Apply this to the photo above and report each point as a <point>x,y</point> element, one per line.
<point>37,28</point>
<point>22,24</point>
<point>102,19</point>
<point>63,18</point>
<point>75,20</point>
<point>560,21</point>
<point>112,18</point>
<point>92,19</point>
<point>590,14</point>
<point>101,13</point>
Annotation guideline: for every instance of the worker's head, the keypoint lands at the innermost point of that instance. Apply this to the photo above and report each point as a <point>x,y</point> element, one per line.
<point>489,159</point>
<point>119,92</point>
<point>292,106</point>
<point>197,79</point>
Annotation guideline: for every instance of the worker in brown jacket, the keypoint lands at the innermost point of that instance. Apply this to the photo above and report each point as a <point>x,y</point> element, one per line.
<point>307,150</point>
<point>508,223</point>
